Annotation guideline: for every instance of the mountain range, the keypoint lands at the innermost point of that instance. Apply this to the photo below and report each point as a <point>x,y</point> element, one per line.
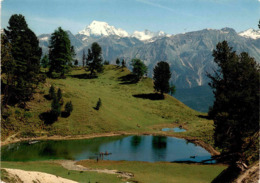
<point>189,54</point>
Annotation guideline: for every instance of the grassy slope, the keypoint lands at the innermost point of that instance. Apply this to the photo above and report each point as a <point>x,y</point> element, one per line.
<point>161,171</point>
<point>143,171</point>
<point>120,110</point>
<point>56,169</point>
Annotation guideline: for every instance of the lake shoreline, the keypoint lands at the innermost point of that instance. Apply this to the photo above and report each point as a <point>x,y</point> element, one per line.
<point>194,140</point>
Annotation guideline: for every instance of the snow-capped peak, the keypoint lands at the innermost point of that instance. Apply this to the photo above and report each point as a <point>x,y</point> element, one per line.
<point>97,28</point>
<point>250,33</point>
<point>146,35</point>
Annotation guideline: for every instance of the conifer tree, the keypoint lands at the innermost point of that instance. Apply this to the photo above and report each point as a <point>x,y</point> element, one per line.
<point>161,76</point>
<point>59,94</point>
<point>76,62</point>
<point>8,66</point>
<point>26,53</point>
<point>45,61</point>
<point>236,107</point>
<point>51,92</point>
<point>123,63</point>
<point>117,61</point>
<point>95,59</point>
<point>61,53</point>
<point>55,107</point>
<point>139,68</point>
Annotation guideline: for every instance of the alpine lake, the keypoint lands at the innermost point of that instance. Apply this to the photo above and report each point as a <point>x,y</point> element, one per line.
<point>130,148</point>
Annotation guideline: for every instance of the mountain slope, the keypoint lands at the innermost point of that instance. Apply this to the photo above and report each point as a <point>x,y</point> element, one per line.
<point>123,107</point>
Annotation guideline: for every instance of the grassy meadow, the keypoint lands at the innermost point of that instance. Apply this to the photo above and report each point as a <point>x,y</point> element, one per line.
<point>126,107</point>
<point>143,171</point>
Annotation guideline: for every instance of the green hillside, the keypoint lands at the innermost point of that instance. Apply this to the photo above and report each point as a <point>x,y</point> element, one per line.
<point>126,107</point>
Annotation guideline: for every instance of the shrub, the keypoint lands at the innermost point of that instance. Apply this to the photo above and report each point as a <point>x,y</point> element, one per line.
<point>99,103</point>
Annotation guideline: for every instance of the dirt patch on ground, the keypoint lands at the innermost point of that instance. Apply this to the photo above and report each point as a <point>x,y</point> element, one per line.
<point>71,165</point>
<point>35,177</point>
<point>208,147</point>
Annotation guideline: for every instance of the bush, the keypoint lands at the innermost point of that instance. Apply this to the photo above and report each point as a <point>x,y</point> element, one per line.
<point>99,103</point>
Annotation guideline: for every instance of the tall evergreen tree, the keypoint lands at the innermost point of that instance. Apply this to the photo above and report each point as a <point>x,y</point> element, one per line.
<point>161,77</point>
<point>76,62</point>
<point>236,107</point>
<point>117,61</point>
<point>95,58</point>
<point>26,54</point>
<point>45,61</point>
<point>123,63</point>
<point>8,66</point>
<point>139,68</point>
<point>60,53</point>
<point>55,107</point>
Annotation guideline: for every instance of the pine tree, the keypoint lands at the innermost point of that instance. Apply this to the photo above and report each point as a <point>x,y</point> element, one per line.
<point>8,66</point>
<point>161,77</point>
<point>95,59</point>
<point>117,61</point>
<point>61,53</point>
<point>55,107</point>
<point>123,63</point>
<point>26,53</point>
<point>139,68</point>
<point>59,94</point>
<point>76,62</point>
<point>51,92</point>
<point>45,61</point>
<point>236,107</point>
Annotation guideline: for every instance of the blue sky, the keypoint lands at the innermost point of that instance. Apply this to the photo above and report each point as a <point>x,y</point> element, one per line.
<point>170,16</point>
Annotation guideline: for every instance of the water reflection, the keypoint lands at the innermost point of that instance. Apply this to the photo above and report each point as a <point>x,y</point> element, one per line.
<point>131,148</point>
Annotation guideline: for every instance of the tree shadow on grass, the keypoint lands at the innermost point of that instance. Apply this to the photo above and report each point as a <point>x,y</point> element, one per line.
<point>65,114</point>
<point>47,97</point>
<point>128,79</point>
<point>204,116</point>
<point>84,76</point>
<point>150,96</point>
<point>48,117</point>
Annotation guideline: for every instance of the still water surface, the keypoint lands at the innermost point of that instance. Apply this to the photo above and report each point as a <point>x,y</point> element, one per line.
<point>176,129</point>
<point>130,148</point>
